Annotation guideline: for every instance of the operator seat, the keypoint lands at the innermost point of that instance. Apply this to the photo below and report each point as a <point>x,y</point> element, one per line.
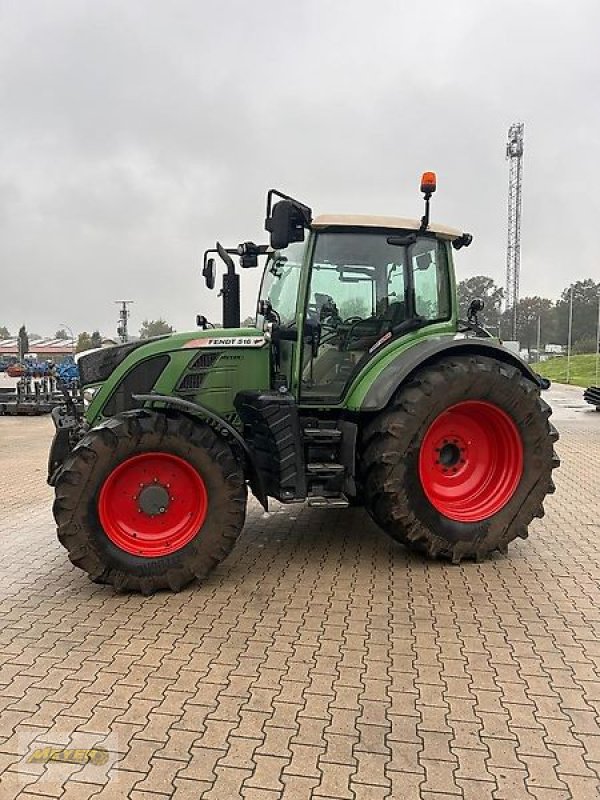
<point>394,314</point>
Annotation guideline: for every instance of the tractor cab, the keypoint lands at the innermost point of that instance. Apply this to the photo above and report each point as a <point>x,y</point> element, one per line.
<point>337,288</point>
<point>355,283</point>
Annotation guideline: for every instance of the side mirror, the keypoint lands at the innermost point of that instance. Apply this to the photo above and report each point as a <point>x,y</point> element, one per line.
<point>209,272</point>
<point>286,224</point>
<point>475,307</point>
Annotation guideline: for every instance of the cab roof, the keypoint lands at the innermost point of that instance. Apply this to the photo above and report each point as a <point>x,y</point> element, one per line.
<point>366,221</point>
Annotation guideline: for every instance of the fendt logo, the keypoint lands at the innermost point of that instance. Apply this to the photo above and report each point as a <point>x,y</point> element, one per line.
<point>232,341</point>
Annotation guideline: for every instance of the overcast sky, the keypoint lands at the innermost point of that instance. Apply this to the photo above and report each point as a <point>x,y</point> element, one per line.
<point>133,134</point>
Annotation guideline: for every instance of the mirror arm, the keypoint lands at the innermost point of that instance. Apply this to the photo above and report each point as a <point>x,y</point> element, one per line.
<point>276,193</point>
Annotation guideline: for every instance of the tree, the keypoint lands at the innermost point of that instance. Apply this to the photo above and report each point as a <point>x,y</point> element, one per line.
<point>485,288</point>
<point>529,310</point>
<point>4,332</point>
<point>61,334</point>
<point>96,339</point>
<point>23,342</point>
<point>84,342</point>
<point>249,322</point>
<point>154,327</point>
<point>586,296</point>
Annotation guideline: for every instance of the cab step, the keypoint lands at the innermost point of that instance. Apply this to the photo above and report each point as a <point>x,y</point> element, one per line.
<point>328,502</point>
<point>322,434</point>
<point>324,468</point>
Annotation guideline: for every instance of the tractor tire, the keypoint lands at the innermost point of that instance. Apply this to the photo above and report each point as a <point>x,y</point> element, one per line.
<point>460,462</point>
<point>149,501</point>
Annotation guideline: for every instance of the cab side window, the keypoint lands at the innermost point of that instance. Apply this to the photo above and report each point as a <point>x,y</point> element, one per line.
<point>430,278</point>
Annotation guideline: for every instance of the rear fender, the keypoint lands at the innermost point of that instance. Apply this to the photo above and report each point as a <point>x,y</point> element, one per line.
<point>427,351</point>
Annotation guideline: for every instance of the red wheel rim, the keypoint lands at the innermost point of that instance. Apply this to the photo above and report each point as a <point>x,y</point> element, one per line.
<point>152,504</point>
<point>471,461</point>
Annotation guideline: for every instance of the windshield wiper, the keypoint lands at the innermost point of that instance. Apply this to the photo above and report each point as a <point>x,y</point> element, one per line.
<point>402,241</point>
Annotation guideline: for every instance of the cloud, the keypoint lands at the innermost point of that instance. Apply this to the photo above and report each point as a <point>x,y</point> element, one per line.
<point>133,135</point>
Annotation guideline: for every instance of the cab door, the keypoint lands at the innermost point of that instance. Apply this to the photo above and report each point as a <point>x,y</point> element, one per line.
<point>279,296</point>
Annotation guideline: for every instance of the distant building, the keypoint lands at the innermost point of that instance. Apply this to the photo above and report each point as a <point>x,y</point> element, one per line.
<point>56,349</point>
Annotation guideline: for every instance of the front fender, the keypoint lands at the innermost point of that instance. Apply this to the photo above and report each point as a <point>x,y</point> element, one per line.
<point>219,424</point>
<point>384,384</point>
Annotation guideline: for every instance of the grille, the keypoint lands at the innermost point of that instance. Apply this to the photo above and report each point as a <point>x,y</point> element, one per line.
<point>192,381</point>
<point>139,380</point>
<point>205,360</point>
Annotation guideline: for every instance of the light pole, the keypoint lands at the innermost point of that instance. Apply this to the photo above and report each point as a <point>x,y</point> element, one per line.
<point>570,335</point>
<point>598,343</point>
<point>68,327</point>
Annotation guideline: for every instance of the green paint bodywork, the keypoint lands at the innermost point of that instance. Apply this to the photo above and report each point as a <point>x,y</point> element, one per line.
<point>237,368</point>
<point>240,368</point>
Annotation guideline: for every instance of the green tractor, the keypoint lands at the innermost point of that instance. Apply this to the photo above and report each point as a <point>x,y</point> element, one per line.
<point>358,385</point>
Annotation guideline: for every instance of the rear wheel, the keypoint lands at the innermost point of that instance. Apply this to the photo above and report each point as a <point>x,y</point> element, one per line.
<point>460,463</point>
<point>148,501</point>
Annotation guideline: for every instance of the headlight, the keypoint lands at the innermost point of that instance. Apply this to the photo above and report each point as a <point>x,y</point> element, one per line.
<point>88,395</point>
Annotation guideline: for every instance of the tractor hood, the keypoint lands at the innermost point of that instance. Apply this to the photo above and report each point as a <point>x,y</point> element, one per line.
<point>97,365</point>
<point>207,367</point>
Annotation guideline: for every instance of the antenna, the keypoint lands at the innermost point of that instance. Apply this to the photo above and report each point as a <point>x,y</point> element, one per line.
<point>514,154</point>
<point>123,317</point>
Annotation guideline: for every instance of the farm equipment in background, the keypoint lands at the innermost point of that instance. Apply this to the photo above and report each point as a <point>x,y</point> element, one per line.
<point>42,388</point>
<point>16,370</point>
<point>67,373</point>
<point>592,396</point>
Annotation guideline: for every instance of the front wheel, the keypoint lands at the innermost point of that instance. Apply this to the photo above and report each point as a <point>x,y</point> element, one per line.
<point>461,462</point>
<point>149,501</point>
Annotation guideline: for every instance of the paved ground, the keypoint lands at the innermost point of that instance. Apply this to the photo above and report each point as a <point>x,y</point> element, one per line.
<point>320,660</point>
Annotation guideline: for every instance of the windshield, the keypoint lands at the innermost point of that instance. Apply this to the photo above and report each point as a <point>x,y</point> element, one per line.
<point>280,282</point>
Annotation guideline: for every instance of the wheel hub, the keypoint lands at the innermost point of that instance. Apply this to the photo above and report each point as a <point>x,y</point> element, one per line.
<point>471,461</point>
<point>451,454</point>
<point>152,504</point>
<point>153,499</point>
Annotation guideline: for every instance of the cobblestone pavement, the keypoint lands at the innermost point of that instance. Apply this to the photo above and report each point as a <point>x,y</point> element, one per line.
<point>319,660</point>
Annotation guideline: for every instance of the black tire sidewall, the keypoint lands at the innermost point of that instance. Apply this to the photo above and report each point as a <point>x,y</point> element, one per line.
<point>454,530</point>
<point>135,433</point>
<point>208,535</point>
<point>433,391</point>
